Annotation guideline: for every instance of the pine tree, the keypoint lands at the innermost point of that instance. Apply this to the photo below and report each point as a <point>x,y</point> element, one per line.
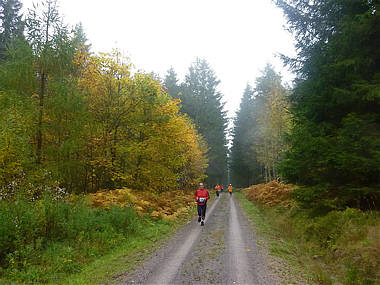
<point>334,144</point>
<point>80,38</point>
<point>47,36</point>
<point>11,24</point>
<point>38,77</point>
<point>245,169</point>
<point>203,103</point>
<point>171,83</point>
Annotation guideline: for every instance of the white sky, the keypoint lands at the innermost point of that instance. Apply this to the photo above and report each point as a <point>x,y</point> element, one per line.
<point>236,37</point>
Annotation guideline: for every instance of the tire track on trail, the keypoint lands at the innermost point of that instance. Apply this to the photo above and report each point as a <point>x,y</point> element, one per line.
<point>238,249</point>
<point>165,263</point>
<point>247,265</point>
<point>170,268</point>
<point>224,251</point>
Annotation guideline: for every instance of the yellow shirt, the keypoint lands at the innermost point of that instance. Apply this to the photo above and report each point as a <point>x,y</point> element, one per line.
<point>230,188</point>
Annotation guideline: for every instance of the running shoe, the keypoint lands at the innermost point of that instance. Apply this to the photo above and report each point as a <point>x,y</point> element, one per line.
<point>202,223</point>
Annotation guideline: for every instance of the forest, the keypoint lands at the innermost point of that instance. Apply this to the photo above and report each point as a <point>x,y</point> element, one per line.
<point>96,155</point>
<point>79,129</point>
<point>322,133</point>
<point>78,122</point>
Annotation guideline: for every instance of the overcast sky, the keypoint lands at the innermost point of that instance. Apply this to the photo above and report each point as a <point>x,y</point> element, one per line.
<point>236,37</point>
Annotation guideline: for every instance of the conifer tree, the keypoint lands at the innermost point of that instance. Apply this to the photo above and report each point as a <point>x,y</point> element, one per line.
<point>80,38</point>
<point>11,24</point>
<point>245,169</point>
<point>259,129</point>
<point>203,103</point>
<point>334,144</point>
<point>48,38</point>
<point>171,83</point>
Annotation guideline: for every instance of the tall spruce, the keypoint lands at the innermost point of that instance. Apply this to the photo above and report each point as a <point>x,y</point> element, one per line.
<point>244,167</point>
<point>171,83</point>
<point>80,38</point>
<point>203,103</point>
<point>335,140</point>
<point>11,24</point>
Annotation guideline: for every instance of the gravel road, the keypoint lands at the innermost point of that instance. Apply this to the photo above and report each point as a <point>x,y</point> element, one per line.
<point>224,251</point>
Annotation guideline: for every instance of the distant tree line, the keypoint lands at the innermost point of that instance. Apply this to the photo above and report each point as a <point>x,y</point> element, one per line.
<point>259,129</point>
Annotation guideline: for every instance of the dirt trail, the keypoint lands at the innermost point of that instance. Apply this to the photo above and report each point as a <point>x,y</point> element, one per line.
<point>224,251</point>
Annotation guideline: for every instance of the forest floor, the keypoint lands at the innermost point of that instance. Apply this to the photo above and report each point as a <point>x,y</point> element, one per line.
<point>224,251</point>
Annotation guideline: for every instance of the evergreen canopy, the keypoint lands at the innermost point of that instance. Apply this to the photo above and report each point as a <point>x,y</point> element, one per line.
<point>335,140</point>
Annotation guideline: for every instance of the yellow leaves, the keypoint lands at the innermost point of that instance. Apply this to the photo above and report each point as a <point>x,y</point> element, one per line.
<point>104,75</point>
<point>10,165</point>
<point>155,214</point>
<point>168,205</point>
<point>140,139</point>
<point>272,193</point>
<point>105,199</point>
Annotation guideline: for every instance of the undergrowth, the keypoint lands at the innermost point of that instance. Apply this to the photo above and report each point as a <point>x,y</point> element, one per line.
<point>340,247</point>
<point>48,240</point>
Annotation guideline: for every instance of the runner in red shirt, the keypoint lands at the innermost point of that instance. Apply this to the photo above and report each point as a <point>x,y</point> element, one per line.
<point>201,197</point>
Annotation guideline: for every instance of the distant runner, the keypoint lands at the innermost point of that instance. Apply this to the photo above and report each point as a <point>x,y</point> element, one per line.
<point>217,189</point>
<point>230,189</point>
<point>201,197</point>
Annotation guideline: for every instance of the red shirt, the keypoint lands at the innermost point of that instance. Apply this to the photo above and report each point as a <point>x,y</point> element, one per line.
<point>201,194</point>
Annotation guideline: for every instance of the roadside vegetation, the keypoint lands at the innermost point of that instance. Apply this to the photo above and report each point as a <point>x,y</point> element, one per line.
<point>341,247</point>
<point>60,240</point>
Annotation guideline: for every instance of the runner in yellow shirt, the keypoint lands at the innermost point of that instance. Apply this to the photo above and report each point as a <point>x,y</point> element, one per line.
<point>217,189</point>
<point>230,189</point>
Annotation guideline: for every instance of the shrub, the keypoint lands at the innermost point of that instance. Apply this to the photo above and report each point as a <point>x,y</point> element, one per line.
<point>346,242</point>
<point>67,232</point>
<point>340,243</point>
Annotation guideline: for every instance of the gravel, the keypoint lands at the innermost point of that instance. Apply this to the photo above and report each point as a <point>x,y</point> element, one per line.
<point>224,251</point>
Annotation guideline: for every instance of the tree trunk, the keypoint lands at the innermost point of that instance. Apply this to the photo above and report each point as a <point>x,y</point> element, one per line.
<point>40,118</point>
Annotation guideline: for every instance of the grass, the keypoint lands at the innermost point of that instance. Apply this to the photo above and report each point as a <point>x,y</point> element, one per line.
<point>341,247</point>
<point>110,267</point>
<point>273,241</point>
<point>61,242</point>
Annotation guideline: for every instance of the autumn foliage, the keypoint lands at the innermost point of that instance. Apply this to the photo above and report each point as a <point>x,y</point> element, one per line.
<point>94,154</point>
<point>271,194</point>
<point>168,205</point>
<point>110,128</point>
